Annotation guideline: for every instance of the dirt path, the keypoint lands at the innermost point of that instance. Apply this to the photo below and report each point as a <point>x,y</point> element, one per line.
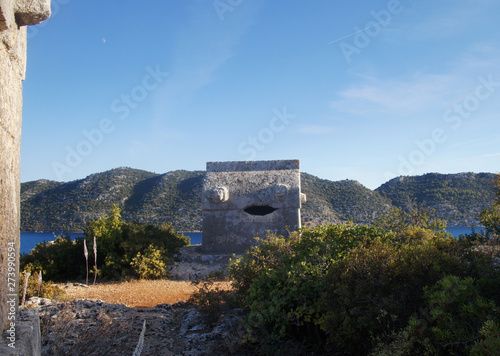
<point>136,294</point>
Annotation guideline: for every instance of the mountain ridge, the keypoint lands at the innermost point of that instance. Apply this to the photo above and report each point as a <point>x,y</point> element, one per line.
<point>175,197</point>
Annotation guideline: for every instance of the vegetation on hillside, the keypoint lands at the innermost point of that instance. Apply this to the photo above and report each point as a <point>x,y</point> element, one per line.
<point>457,198</point>
<point>490,217</point>
<point>175,197</point>
<point>334,202</point>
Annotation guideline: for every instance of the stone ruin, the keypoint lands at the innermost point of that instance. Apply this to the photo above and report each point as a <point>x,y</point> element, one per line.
<point>243,200</point>
<point>15,15</point>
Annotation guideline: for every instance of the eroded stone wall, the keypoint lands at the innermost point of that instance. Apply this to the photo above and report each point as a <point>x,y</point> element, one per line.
<point>243,200</point>
<point>14,16</point>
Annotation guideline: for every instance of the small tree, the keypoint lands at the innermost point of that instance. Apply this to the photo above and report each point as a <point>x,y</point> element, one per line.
<point>422,216</point>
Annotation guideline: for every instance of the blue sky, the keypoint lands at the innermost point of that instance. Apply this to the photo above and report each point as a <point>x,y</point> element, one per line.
<point>364,90</point>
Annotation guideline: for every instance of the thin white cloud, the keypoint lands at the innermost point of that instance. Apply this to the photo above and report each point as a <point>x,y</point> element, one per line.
<point>395,96</point>
<point>421,91</point>
<point>445,21</point>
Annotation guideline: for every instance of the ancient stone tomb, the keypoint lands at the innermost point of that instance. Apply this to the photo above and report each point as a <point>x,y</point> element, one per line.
<point>242,200</point>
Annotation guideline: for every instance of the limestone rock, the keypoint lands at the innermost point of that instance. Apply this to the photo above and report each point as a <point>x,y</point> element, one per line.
<point>93,327</point>
<point>243,200</point>
<point>194,263</point>
<point>32,12</point>
<point>27,335</point>
<point>14,14</point>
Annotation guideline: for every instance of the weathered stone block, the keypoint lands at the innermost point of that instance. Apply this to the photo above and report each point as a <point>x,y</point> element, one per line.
<point>27,338</point>
<point>243,200</point>
<point>32,12</point>
<point>6,14</point>
<point>14,14</point>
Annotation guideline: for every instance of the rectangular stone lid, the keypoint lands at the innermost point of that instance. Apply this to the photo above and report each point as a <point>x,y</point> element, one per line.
<point>249,166</point>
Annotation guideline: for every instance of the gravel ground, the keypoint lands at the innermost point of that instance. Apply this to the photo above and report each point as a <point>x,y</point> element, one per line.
<point>136,294</point>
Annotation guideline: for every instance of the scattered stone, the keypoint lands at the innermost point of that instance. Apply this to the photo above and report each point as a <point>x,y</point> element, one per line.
<point>93,327</point>
<point>34,302</point>
<point>194,263</point>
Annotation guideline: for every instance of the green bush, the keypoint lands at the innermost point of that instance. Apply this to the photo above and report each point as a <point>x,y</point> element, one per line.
<point>151,264</point>
<point>398,220</point>
<point>281,281</point>
<point>347,289</point>
<point>453,320</point>
<point>490,217</point>
<point>377,287</point>
<point>61,259</point>
<point>489,341</point>
<point>43,290</point>
<point>118,244</point>
<point>211,299</point>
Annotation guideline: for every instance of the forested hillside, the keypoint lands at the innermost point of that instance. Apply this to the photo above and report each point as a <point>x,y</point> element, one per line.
<point>175,196</point>
<point>457,198</point>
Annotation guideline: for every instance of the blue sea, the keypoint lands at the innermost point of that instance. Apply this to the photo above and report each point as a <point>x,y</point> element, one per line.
<point>30,239</point>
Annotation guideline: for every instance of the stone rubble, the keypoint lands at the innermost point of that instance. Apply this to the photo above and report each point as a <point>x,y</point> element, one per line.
<point>93,327</point>
<point>195,264</point>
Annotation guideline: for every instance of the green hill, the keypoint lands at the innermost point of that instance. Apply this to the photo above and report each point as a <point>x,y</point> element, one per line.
<point>457,198</point>
<point>334,202</point>
<point>175,196</point>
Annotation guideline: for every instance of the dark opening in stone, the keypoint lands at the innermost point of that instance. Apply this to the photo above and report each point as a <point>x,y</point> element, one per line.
<point>259,210</point>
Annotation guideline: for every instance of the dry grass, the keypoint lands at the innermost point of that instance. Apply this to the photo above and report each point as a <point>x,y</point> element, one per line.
<point>137,294</point>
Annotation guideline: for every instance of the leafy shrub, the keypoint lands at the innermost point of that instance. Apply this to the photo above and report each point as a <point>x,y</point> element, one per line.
<point>397,219</point>
<point>34,289</point>
<point>490,217</point>
<point>281,281</point>
<point>210,298</point>
<point>489,343</point>
<point>61,259</point>
<point>457,313</point>
<point>151,264</point>
<point>346,288</point>
<point>377,287</point>
<point>118,243</point>
<point>454,320</point>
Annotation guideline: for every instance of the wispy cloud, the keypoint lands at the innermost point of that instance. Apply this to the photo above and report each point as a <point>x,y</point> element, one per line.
<point>395,96</point>
<point>423,90</point>
<point>444,21</point>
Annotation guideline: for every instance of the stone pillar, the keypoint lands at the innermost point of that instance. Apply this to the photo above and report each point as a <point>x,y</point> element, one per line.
<point>243,200</point>
<point>14,16</point>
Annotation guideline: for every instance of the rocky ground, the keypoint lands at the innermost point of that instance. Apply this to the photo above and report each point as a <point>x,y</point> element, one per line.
<point>107,319</point>
<point>93,327</point>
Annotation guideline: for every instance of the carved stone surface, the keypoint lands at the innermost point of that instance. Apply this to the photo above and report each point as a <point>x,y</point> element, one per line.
<point>14,14</point>
<point>242,200</point>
